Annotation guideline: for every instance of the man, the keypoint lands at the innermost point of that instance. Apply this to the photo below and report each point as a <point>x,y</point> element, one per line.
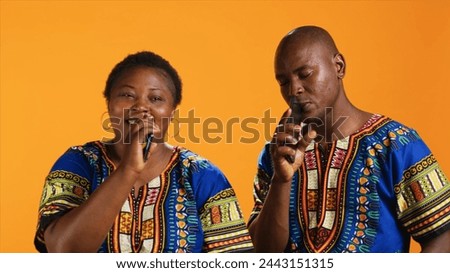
<point>343,180</point>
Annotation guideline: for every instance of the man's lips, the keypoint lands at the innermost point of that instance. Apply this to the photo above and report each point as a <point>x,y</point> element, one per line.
<point>304,104</point>
<point>299,104</point>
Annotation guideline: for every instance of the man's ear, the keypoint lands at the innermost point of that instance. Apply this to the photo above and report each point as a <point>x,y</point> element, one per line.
<point>340,65</point>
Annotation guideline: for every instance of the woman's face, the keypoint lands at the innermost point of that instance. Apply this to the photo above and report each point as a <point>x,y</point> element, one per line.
<point>141,94</point>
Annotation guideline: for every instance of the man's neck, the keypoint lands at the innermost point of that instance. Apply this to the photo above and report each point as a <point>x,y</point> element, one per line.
<point>341,121</point>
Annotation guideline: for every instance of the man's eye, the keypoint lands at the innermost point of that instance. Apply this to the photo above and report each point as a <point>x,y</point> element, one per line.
<point>282,82</point>
<point>305,75</point>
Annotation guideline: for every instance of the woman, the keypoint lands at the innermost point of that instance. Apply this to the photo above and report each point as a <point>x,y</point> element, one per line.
<point>107,197</point>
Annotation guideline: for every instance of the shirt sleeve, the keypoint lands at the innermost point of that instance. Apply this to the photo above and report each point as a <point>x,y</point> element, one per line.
<point>261,182</point>
<point>66,186</point>
<point>220,214</point>
<point>422,191</point>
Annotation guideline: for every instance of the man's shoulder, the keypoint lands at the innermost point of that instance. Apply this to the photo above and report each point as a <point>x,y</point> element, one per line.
<point>380,121</point>
<point>390,131</point>
<point>396,127</point>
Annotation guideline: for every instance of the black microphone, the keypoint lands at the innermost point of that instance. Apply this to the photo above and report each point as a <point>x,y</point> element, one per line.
<point>296,114</point>
<point>294,118</point>
<point>147,146</point>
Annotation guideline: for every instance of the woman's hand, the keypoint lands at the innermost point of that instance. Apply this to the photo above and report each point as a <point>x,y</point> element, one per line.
<point>134,142</point>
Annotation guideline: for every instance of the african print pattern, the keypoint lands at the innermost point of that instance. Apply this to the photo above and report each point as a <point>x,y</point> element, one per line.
<point>370,193</point>
<point>423,198</point>
<point>219,212</point>
<point>190,207</point>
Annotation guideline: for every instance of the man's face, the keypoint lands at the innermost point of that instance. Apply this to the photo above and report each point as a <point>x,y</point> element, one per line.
<point>309,72</point>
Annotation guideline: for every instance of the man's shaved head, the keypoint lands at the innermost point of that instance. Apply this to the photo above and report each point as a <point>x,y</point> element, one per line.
<point>309,34</point>
<point>309,70</point>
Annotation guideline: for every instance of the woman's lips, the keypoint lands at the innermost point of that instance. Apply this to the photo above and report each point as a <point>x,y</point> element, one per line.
<point>132,121</point>
<point>136,120</point>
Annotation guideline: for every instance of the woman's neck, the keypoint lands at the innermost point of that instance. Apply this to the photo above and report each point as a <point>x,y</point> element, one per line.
<point>116,150</point>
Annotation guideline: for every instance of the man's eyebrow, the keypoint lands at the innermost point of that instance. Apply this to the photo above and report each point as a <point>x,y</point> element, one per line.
<point>295,71</point>
<point>278,76</point>
<point>298,69</point>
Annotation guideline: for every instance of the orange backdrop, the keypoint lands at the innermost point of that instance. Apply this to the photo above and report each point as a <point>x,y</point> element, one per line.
<point>55,57</point>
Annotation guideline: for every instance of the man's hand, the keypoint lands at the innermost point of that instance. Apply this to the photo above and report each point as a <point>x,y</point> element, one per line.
<point>288,147</point>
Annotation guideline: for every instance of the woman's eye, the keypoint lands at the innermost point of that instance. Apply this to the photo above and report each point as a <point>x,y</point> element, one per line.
<point>126,94</point>
<point>155,99</point>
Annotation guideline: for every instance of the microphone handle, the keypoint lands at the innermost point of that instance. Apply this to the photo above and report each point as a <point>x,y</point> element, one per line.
<point>147,146</point>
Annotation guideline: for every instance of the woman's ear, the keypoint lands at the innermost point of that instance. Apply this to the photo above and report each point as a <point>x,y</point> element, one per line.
<point>173,113</point>
<point>340,65</point>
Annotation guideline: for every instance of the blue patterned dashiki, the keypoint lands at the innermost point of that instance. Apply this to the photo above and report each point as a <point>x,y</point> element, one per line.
<point>190,207</point>
<point>378,187</point>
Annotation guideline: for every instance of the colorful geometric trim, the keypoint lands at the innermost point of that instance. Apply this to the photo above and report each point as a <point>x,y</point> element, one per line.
<point>224,227</point>
<point>63,188</point>
<point>423,197</point>
<point>335,204</point>
<point>162,216</point>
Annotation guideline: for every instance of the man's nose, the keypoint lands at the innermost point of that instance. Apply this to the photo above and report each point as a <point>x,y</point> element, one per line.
<point>296,88</point>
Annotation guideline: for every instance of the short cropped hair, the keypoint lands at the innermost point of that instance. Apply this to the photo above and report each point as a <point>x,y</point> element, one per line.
<point>144,59</point>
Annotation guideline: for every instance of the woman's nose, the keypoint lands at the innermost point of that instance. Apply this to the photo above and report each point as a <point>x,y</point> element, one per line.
<point>141,105</point>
